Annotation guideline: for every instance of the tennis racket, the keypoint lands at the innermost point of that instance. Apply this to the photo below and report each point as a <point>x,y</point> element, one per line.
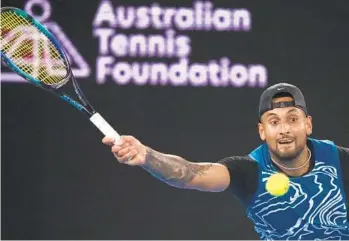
<point>31,51</point>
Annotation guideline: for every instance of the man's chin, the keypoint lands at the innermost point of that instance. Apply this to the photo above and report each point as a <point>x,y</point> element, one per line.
<point>287,155</point>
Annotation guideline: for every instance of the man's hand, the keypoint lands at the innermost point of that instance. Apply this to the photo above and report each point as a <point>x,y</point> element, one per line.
<point>127,150</point>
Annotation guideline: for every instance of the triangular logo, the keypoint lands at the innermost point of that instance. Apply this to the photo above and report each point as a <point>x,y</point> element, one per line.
<point>79,66</point>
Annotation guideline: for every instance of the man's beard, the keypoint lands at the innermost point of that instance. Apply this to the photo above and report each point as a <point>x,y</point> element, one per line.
<point>289,155</point>
<point>286,156</point>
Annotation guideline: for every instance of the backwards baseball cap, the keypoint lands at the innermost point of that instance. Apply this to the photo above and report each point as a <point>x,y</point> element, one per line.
<point>266,100</point>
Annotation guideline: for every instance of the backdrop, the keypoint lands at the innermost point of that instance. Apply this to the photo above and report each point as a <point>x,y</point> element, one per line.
<point>185,78</point>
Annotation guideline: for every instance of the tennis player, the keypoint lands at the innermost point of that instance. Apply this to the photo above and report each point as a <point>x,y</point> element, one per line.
<point>314,207</point>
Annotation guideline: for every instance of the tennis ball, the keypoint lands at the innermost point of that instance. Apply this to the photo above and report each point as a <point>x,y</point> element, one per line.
<point>277,184</point>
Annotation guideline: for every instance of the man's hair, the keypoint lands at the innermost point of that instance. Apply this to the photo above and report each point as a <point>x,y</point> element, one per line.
<point>282,94</point>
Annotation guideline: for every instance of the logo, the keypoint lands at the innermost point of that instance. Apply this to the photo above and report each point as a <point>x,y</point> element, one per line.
<point>130,54</point>
<point>80,67</point>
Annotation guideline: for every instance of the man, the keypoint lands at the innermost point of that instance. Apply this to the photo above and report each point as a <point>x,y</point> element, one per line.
<point>314,207</point>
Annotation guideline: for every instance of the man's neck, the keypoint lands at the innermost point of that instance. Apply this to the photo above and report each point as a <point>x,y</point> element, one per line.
<point>290,167</point>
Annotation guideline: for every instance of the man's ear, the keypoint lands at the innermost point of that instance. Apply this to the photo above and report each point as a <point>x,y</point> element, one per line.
<point>261,131</point>
<point>309,125</point>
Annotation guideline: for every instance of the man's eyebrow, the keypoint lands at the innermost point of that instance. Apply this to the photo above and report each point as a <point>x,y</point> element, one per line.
<point>271,114</point>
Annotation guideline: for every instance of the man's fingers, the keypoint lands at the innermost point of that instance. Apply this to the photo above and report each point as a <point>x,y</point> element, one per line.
<point>116,148</point>
<point>126,158</point>
<point>126,150</point>
<point>129,139</point>
<point>109,140</point>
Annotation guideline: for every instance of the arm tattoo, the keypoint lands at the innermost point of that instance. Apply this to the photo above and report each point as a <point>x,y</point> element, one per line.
<point>173,170</point>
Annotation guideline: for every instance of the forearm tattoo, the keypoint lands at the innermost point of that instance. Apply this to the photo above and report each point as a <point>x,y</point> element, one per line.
<point>173,170</point>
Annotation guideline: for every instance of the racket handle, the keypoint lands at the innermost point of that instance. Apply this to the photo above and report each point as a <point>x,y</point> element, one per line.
<point>104,126</point>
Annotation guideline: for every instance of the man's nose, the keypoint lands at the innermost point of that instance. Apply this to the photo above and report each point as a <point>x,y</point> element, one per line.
<point>284,128</point>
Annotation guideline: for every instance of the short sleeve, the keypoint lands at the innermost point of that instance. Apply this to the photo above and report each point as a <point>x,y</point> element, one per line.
<point>243,172</point>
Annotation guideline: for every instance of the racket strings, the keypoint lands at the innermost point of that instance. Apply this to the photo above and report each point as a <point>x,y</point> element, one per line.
<point>30,50</point>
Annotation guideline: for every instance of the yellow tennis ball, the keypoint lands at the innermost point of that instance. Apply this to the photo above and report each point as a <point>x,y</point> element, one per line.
<point>277,184</point>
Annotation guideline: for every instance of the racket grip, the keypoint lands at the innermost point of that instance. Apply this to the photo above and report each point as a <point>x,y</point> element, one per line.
<point>104,126</point>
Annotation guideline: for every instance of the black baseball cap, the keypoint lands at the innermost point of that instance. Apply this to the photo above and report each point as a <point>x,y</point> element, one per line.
<point>266,100</point>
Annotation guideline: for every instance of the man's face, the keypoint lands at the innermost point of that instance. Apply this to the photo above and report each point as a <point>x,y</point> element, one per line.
<point>285,130</point>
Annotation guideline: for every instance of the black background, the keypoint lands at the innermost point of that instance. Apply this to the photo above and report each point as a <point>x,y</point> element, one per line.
<point>60,182</point>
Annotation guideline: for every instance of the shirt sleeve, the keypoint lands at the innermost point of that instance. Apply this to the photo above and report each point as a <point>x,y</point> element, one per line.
<point>243,172</point>
<point>343,153</point>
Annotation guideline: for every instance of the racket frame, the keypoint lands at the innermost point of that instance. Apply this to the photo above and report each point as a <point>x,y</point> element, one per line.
<point>85,107</point>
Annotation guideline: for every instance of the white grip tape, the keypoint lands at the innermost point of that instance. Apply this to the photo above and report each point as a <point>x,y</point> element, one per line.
<point>104,126</point>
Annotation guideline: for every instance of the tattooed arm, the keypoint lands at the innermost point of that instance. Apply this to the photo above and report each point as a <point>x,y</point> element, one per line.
<point>171,169</point>
<point>178,172</point>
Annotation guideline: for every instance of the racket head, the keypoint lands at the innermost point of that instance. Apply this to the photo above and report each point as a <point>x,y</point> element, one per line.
<point>31,51</point>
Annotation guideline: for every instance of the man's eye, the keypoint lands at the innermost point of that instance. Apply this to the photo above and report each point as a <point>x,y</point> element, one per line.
<point>274,122</point>
<point>293,119</point>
